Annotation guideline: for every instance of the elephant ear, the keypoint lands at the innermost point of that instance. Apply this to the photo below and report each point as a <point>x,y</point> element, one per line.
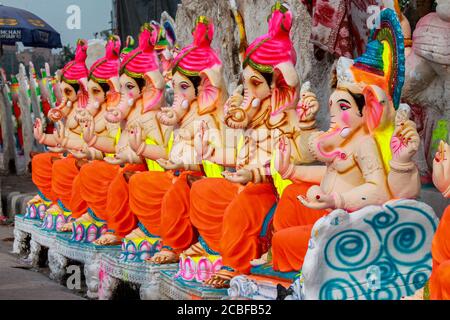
<point>285,87</point>
<point>153,91</point>
<point>209,89</point>
<point>83,95</point>
<point>379,111</point>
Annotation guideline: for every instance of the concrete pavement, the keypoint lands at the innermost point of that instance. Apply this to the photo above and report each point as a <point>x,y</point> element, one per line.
<point>19,282</point>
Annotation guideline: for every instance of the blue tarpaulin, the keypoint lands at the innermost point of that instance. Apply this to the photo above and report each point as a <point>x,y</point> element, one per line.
<point>17,25</point>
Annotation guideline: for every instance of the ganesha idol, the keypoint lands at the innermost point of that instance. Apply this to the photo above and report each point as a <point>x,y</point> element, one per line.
<point>367,154</point>
<point>230,213</point>
<point>103,184</point>
<point>72,85</point>
<point>159,199</point>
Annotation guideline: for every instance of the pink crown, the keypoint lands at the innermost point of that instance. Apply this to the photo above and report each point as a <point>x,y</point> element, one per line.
<point>199,55</point>
<point>108,66</point>
<point>76,69</point>
<point>275,47</point>
<point>143,59</point>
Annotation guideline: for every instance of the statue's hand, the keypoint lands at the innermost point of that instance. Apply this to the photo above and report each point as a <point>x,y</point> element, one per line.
<point>167,116</point>
<point>60,134</point>
<point>89,135</point>
<point>405,140</point>
<point>135,139</point>
<point>169,165</point>
<point>242,176</point>
<point>38,131</point>
<point>308,105</point>
<point>113,160</point>
<point>201,142</point>
<point>441,168</point>
<point>317,199</point>
<point>283,157</point>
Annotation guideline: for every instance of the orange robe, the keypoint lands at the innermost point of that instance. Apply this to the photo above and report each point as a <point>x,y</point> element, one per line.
<point>64,173</point>
<point>77,205</point>
<point>41,173</point>
<point>229,218</point>
<point>105,191</point>
<point>440,250</point>
<point>160,201</point>
<point>119,218</point>
<point>292,223</point>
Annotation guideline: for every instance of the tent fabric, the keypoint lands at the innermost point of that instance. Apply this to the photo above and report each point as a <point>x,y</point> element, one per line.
<point>17,25</point>
<point>132,14</point>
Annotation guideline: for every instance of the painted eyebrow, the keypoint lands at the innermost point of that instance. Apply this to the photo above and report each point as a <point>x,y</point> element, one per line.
<point>256,78</point>
<point>343,100</point>
<point>184,82</point>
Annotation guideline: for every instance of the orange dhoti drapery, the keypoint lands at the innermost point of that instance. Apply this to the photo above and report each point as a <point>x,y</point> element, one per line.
<point>229,217</point>
<point>105,191</point>
<point>440,250</point>
<point>292,223</point>
<point>66,186</point>
<point>41,173</point>
<point>160,201</point>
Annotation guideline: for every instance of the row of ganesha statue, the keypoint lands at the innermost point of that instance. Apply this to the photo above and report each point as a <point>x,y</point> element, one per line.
<point>224,184</point>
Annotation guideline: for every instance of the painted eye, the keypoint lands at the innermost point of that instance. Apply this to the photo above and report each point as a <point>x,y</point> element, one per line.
<point>344,106</point>
<point>95,91</point>
<point>256,82</point>
<point>67,92</point>
<point>184,86</point>
<point>130,87</point>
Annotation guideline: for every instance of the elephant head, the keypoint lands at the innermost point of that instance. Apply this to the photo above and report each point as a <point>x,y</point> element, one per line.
<point>270,81</point>
<point>72,86</point>
<point>140,78</point>
<point>197,77</point>
<point>362,104</point>
<point>103,86</point>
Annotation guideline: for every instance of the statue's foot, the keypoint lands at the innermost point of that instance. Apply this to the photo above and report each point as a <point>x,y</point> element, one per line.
<point>35,200</point>
<point>136,234</point>
<point>221,280</point>
<point>264,259</point>
<point>107,239</point>
<point>164,257</point>
<point>195,250</point>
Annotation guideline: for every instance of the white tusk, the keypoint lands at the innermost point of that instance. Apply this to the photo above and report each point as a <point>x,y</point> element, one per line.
<point>69,103</point>
<point>185,104</point>
<point>345,132</point>
<point>256,103</point>
<point>130,102</point>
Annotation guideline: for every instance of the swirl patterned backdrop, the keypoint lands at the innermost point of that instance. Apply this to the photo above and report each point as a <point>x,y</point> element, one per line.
<point>374,253</point>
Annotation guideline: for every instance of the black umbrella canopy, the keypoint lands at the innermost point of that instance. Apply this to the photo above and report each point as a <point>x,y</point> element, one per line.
<point>18,25</point>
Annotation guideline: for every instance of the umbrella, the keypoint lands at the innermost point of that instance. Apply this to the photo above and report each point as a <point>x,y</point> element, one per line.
<point>17,25</point>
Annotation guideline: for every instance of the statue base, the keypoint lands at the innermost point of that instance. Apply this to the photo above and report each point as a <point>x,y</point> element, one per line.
<point>175,288</point>
<point>140,249</point>
<point>88,232</point>
<point>37,211</point>
<point>54,221</point>
<point>198,268</point>
<point>114,270</point>
<point>23,229</point>
<point>65,249</point>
